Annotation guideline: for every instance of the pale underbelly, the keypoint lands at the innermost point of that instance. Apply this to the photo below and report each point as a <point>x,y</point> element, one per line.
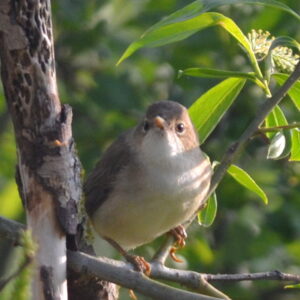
<point>148,206</point>
<point>133,220</point>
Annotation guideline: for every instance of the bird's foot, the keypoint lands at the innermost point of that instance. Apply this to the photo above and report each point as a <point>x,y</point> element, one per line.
<point>139,263</point>
<point>180,236</point>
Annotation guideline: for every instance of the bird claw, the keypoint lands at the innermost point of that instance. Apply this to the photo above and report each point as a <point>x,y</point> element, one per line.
<point>139,263</point>
<point>180,236</point>
<point>173,256</point>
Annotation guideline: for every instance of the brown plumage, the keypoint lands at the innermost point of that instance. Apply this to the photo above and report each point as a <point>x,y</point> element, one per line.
<point>150,180</point>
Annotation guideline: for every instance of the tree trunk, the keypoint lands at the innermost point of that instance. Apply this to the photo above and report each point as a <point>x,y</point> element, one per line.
<point>48,171</point>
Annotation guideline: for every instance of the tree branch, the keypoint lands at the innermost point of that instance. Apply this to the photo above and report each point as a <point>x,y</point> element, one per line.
<point>122,273</point>
<point>263,112</point>
<point>108,269</point>
<point>271,275</point>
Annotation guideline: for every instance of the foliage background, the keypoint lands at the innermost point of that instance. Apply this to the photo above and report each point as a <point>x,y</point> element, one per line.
<point>90,36</point>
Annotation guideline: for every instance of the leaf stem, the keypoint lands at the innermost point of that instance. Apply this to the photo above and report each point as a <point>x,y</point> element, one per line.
<point>276,128</point>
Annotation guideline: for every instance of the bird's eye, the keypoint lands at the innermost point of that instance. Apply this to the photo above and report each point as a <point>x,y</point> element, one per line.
<point>146,126</point>
<point>180,128</point>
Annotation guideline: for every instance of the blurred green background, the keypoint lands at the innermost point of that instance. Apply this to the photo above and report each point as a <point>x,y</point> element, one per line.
<point>90,36</point>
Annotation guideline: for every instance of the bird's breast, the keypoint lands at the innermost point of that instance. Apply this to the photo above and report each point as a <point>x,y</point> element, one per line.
<point>179,175</point>
<point>153,200</point>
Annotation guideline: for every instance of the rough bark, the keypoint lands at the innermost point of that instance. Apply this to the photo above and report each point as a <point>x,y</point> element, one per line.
<point>48,170</point>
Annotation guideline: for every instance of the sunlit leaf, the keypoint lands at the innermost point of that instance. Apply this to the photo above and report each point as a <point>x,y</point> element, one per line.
<point>292,286</point>
<point>194,17</point>
<point>207,110</point>
<point>243,178</point>
<point>293,92</point>
<point>275,118</point>
<point>295,151</point>
<point>215,73</point>
<point>11,205</point>
<point>200,6</point>
<point>207,215</point>
<point>280,117</point>
<point>173,32</point>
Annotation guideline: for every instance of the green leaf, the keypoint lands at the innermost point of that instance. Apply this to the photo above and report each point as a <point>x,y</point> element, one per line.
<point>215,73</point>
<point>295,151</point>
<point>281,142</point>
<point>201,6</point>
<point>292,286</point>
<point>184,27</point>
<point>275,118</point>
<point>207,110</point>
<point>188,20</point>
<point>243,178</point>
<point>207,215</point>
<point>293,92</point>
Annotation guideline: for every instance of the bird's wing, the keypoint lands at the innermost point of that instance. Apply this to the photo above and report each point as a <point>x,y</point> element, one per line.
<point>100,182</point>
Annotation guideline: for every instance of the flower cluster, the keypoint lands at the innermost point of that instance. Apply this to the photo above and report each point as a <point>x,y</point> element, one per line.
<point>261,42</point>
<point>282,58</point>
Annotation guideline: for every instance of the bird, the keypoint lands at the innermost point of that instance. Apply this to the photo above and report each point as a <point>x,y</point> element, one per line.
<point>152,179</point>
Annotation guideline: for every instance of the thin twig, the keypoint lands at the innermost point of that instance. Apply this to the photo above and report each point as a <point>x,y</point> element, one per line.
<point>272,275</point>
<point>162,253</point>
<point>11,230</point>
<point>25,264</point>
<point>276,128</point>
<point>194,280</point>
<point>263,112</point>
<point>190,279</point>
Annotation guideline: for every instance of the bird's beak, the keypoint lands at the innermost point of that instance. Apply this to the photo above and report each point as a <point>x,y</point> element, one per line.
<point>159,122</point>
